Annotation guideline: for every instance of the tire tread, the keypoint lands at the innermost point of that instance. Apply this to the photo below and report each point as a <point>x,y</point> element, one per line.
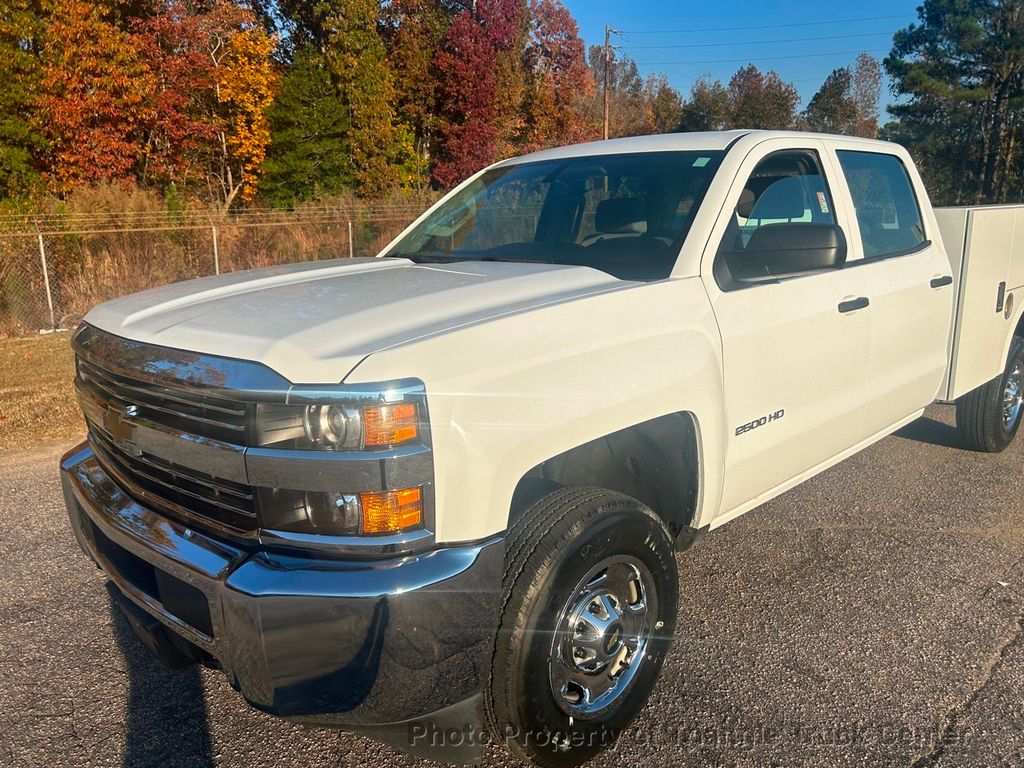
<point>532,542</point>
<point>979,412</point>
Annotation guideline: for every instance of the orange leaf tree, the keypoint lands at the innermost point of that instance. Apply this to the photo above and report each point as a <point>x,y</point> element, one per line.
<point>94,101</point>
<point>559,83</point>
<point>245,89</point>
<point>213,83</point>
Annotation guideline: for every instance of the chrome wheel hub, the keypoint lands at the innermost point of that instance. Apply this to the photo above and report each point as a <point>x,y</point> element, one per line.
<point>601,636</point>
<point>1013,396</point>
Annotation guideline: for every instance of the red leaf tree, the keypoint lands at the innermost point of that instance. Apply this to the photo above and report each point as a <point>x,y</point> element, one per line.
<point>559,80</point>
<point>480,72</point>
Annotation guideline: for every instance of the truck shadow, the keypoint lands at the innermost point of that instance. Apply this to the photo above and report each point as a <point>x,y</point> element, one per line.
<point>166,723</point>
<point>932,432</point>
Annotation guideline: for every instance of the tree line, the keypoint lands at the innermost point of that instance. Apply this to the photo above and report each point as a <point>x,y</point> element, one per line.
<point>233,102</point>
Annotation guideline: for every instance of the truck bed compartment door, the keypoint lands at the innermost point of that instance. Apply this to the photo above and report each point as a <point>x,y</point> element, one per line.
<point>985,245</point>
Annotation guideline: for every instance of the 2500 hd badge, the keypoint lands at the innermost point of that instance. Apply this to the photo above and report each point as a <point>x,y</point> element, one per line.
<point>751,425</point>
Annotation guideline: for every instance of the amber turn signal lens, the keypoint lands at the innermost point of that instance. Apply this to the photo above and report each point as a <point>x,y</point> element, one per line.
<point>390,424</point>
<point>391,511</point>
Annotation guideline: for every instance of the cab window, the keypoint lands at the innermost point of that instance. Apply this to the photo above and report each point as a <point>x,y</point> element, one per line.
<point>888,215</point>
<point>786,188</point>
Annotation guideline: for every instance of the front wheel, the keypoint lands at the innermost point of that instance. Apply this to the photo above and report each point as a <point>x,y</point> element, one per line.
<point>988,417</point>
<point>590,595</point>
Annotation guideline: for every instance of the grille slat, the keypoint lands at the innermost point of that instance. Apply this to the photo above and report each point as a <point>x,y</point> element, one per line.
<point>199,413</point>
<point>164,393</point>
<point>120,399</point>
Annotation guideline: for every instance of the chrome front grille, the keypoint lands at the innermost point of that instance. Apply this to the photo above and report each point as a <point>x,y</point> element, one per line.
<point>192,411</point>
<point>142,415</point>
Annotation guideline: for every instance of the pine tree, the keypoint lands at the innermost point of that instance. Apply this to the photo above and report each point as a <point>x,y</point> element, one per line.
<point>309,149</point>
<point>961,72</point>
<point>355,54</point>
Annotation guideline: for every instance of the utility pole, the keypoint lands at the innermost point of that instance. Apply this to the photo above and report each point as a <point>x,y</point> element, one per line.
<point>608,32</point>
<point>607,65</point>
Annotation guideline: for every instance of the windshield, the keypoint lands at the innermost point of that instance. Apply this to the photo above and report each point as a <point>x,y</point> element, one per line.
<point>626,215</point>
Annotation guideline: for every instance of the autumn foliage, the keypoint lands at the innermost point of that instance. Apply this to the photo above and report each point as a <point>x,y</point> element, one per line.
<point>174,96</point>
<point>228,101</point>
<point>95,102</point>
<point>233,102</point>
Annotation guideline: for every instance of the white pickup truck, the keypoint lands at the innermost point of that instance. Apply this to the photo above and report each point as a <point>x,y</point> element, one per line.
<point>436,496</point>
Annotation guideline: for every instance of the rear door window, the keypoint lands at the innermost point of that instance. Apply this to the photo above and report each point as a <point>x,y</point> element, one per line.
<point>888,215</point>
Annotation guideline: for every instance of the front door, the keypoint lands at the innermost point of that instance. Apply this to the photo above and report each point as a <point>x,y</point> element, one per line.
<point>795,345</point>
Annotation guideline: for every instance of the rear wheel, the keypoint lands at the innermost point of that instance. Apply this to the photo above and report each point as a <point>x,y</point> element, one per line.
<point>988,417</point>
<point>590,596</point>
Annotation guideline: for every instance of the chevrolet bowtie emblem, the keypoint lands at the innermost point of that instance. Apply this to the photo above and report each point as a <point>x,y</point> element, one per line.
<point>121,430</point>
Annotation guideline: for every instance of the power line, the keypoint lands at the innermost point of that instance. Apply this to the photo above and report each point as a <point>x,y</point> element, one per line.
<point>758,42</point>
<point>762,26</point>
<point>761,58</point>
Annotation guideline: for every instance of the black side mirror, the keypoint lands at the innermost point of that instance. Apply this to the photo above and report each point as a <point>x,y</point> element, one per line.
<point>775,250</point>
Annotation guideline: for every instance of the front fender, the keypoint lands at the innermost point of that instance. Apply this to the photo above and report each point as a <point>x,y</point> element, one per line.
<point>506,394</point>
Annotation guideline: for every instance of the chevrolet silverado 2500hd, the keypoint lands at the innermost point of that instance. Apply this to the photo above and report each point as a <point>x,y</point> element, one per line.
<point>435,496</point>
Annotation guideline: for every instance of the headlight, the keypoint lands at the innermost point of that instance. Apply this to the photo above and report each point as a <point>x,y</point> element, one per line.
<point>341,499</point>
<point>333,426</point>
<point>332,512</point>
<point>343,421</point>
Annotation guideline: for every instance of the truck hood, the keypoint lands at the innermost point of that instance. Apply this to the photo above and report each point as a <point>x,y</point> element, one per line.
<point>314,322</point>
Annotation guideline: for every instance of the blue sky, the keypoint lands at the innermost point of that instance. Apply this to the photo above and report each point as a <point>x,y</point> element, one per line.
<point>684,39</point>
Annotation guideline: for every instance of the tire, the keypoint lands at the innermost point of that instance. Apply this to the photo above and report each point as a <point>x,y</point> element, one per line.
<point>988,417</point>
<point>556,554</point>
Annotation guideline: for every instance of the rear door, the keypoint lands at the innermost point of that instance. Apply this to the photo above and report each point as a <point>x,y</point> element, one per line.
<point>909,285</point>
<point>794,346</point>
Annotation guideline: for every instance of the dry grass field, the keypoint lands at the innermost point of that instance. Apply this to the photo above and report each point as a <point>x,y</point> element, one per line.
<point>39,407</point>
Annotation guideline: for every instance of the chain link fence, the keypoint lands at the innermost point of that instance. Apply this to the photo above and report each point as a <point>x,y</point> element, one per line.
<point>54,268</point>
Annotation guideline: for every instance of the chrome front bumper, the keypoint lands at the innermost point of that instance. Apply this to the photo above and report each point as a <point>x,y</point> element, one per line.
<point>367,645</point>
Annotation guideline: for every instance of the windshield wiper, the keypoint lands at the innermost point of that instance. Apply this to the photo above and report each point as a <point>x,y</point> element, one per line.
<point>424,258</point>
<point>438,258</point>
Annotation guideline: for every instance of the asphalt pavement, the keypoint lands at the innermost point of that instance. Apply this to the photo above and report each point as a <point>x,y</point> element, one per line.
<point>870,617</point>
